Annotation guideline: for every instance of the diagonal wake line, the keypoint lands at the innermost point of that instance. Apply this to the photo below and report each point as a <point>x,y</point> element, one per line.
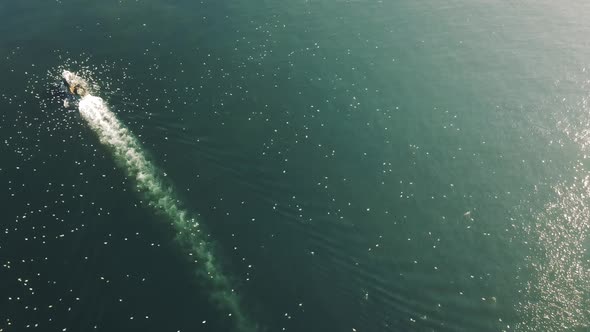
<point>127,151</point>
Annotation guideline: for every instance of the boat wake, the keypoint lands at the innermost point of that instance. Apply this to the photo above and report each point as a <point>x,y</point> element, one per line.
<point>129,154</point>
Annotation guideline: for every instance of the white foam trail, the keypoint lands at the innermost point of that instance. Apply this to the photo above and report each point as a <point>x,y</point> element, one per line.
<point>127,151</point>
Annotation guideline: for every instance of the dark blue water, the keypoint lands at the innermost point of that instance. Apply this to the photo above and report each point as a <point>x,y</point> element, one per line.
<point>356,165</point>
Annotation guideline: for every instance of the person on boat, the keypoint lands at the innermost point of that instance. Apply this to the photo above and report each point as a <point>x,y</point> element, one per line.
<point>75,83</point>
<point>78,90</point>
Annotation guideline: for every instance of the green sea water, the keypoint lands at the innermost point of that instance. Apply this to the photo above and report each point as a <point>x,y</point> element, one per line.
<point>353,165</point>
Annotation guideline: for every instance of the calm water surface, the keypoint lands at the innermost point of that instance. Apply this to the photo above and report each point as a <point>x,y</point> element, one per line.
<point>355,165</point>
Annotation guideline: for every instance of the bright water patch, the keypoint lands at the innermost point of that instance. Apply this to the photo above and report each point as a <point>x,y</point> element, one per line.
<point>558,292</point>
<point>128,152</point>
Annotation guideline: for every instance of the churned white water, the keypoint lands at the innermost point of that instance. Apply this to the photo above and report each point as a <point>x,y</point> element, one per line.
<point>129,154</point>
